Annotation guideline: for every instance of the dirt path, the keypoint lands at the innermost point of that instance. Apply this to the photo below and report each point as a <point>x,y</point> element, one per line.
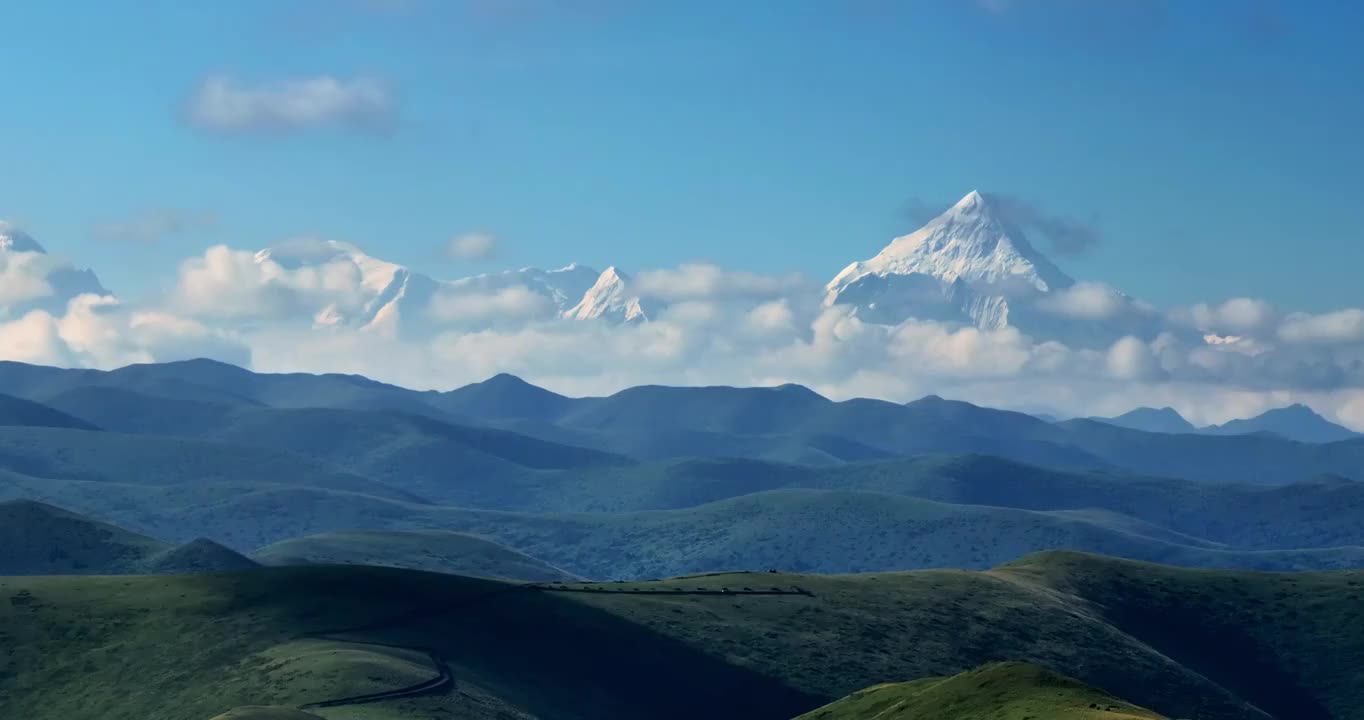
<point>442,683</point>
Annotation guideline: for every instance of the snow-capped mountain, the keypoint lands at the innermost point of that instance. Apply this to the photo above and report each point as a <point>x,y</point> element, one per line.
<point>972,266</point>
<point>564,287</point>
<point>967,265</point>
<point>30,279</point>
<point>397,300</point>
<point>609,298</point>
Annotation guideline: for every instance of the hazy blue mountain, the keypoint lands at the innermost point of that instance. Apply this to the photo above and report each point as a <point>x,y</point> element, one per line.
<point>794,424</point>
<point>18,411</point>
<point>437,461</point>
<point>41,539</point>
<point>1161,420</point>
<point>504,397</point>
<point>1295,422</point>
<point>807,530</point>
<point>432,550</point>
<point>41,454</point>
<point>785,424</point>
<point>130,411</point>
<point>219,383</point>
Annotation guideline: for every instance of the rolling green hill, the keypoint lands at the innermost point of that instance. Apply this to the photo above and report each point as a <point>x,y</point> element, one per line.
<point>430,550</point>
<point>260,712</point>
<point>1213,645</point>
<point>971,511</point>
<point>1003,691</point>
<point>40,539</point>
<point>800,530</point>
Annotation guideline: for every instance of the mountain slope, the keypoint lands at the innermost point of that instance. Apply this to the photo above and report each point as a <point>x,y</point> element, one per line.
<point>431,550</point>
<point>18,411</point>
<point>806,530</point>
<point>610,298</point>
<point>1161,420</point>
<point>965,265</point>
<point>41,539</point>
<point>195,556</point>
<point>1008,691</point>
<point>1295,422</point>
<point>151,460</point>
<point>434,460</point>
<point>503,397</point>
<point>1234,646</point>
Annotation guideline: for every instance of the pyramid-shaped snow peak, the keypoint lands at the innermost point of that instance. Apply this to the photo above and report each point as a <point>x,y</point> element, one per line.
<point>965,265</point>
<point>610,298</point>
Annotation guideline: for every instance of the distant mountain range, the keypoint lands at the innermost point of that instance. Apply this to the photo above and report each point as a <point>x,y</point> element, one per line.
<point>655,480</point>
<point>1295,422</point>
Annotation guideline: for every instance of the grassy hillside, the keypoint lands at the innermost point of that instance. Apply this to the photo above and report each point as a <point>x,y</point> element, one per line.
<point>1003,691</point>
<point>195,556</point>
<point>1206,644</point>
<point>196,646</point>
<point>39,539</point>
<point>430,550</point>
<point>261,712</point>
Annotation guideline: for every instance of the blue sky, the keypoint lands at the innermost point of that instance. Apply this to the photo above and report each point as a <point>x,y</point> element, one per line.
<point>1214,144</point>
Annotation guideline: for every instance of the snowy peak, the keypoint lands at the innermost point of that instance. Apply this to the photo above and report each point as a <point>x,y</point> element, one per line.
<point>609,298</point>
<point>966,265</point>
<point>970,242</point>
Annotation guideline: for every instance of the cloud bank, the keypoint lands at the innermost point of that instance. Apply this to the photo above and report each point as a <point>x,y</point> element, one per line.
<point>296,309</point>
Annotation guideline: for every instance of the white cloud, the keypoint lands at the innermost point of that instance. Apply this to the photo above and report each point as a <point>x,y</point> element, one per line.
<point>232,284</point>
<point>515,303</point>
<point>223,104</point>
<point>97,331</point>
<point>1131,359</point>
<point>1086,300</point>
<point>23,277</point>
<point>703,281</point>
<point>471,246</point>
<point>1341,326</point>
<point>1245,317</point>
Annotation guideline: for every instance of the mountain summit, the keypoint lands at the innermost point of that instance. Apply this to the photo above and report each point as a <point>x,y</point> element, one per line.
<point>1295,422</point>
<point>610,298</point>
<point>966,265</point>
